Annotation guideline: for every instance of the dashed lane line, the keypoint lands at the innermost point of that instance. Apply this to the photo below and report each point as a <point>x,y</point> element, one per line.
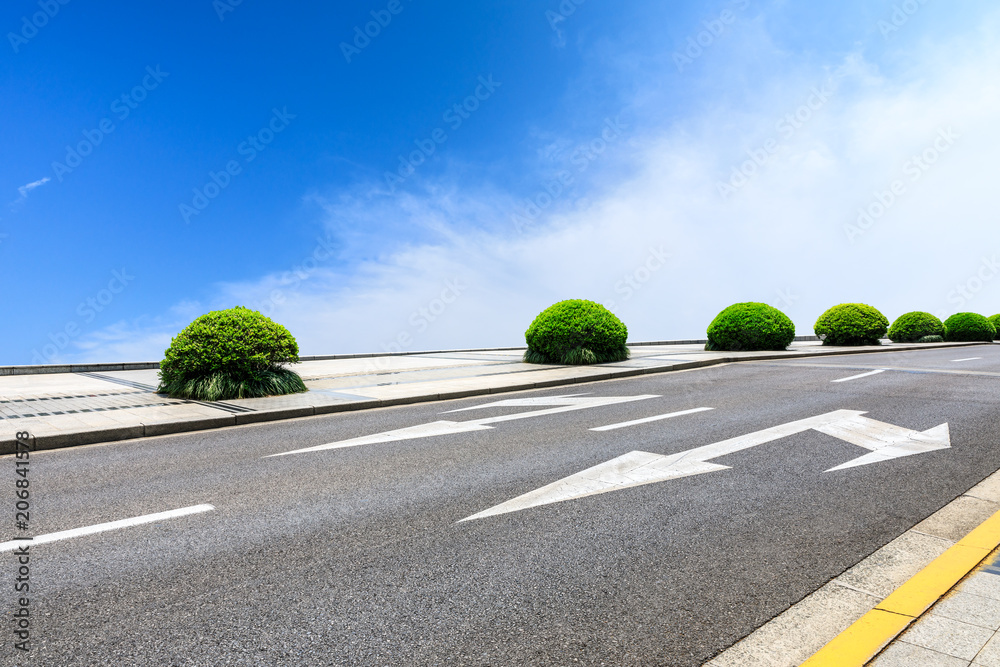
<point>902,369</point>
<point>646,420</point>
<point>104,527</point>
<point>862,375</point>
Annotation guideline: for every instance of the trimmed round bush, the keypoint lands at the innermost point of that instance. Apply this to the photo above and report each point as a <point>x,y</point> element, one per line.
<point>235,353</point>
<point>969,327</point>
<point>911,327</point>
<point>995,321</point>
<point>750,326</point>
<point>576,332</point>
<point>851,324</point>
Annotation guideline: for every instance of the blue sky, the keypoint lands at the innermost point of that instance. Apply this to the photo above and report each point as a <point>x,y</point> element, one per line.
<point>203,155</point>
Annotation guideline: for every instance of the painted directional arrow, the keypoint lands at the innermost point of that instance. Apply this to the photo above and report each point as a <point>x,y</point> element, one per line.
<point>885,441</point>
<point>637,468</point>
<point>562,403</point>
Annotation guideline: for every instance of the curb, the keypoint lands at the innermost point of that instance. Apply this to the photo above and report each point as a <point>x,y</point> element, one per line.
<point>8,444</point>
<point>867,636</point>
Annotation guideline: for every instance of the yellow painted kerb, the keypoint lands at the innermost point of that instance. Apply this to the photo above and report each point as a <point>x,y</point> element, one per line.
<point>858,644</point>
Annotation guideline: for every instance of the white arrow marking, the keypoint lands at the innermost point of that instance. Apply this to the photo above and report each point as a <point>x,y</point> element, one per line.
<point>637,468</point>
<point>565,403</point>
<point>885,441</point>
<point>646,420</point>
<point>862,375</point>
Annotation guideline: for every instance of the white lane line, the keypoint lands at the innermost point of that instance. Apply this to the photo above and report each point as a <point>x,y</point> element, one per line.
<point>862,375</point>
<point>103,527</point>
<point>646,420</point>
<point>969,359</point>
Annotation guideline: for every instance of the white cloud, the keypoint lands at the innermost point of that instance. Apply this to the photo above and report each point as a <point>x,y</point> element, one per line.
<point>25,189</point>
<point>779,238</point>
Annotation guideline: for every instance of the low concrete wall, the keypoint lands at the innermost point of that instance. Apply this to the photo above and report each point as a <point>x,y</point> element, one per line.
<point>148,365</point>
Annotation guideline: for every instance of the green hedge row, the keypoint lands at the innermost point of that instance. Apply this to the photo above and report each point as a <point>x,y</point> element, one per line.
<point>584,332</point>
<point>240,353</point>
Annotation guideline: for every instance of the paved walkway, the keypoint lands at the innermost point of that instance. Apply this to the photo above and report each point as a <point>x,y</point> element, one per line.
<point>66,409</point>
<point>962,629</point>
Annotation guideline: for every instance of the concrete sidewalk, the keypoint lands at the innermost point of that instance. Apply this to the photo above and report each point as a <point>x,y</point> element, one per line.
<point>962,630</point>
<point>77,408</point>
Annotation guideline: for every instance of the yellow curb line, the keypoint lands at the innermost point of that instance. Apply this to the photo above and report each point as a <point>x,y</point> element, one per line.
<point>863,640</point>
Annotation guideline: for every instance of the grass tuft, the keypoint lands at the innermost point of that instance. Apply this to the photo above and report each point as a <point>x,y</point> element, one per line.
<point>533,356</point>
<point>579,356</point>
<point>274,381</point>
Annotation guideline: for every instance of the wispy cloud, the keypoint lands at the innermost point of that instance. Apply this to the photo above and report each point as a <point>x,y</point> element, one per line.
<point>25,189</point>
<point>782,232</point>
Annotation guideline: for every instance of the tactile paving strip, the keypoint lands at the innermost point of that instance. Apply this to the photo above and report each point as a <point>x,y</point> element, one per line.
<point>44,406</point>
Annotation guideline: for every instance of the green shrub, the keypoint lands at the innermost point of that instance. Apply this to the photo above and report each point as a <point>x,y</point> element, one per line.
<point>851,324</point>
<point>236,353</point>
<point>995,321</point>
<point>931,339</point>
<point>911,327</point>
<point>750,326</point>
<point>576,332</point>
<point>969,327</point>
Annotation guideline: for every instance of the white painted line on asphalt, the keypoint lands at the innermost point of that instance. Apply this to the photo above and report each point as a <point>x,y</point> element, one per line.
<point>646,420</point>
<point>564,399</point>
<point>863,375</point>
<point>104,527</point>
<point>564,403</point>
<point>884,442</point>
<point>408,433</point>
<point>969,359</point>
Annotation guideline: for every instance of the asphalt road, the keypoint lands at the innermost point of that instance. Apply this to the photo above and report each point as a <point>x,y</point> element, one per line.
<point>357,556</point>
